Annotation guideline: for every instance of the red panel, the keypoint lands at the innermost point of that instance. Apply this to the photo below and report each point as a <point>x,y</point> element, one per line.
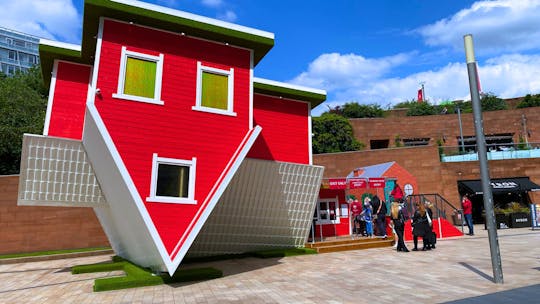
<point>69,100</point>
<point>284,135</point>
<point>172,130</point>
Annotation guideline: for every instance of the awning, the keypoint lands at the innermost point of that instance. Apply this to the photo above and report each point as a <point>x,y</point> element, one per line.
<point>512,184</point>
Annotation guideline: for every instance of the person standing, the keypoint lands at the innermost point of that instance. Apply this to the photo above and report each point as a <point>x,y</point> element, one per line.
<point>398,219</point>
<point>466,204</point>
<point>420,226</point>
<point>397,194</point>
<point>379,214</point>
<point>431,236</point>
<point>367,214</point>
<point>356,209</point>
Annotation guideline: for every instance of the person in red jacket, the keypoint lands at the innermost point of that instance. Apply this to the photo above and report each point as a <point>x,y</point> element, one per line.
<point>356,210</point>
<point>397,194</point>
<point>466,204</point>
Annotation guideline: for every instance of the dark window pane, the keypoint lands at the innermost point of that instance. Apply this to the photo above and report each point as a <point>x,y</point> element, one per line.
<point>172,181</point>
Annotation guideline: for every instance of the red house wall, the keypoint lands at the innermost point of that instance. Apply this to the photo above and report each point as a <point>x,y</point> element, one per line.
<point>69,100</point>
<point>284,135</point>
<point>403,177</point>
<point>172,130</point>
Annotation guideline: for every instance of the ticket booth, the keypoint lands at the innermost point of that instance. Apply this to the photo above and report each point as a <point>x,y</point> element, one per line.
<point>332,218</point>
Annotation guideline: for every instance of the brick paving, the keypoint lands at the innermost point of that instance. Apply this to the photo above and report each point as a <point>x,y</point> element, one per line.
<point>458,271</point>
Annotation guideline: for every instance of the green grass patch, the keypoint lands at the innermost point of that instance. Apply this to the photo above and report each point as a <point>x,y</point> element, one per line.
<point>50,252</point>
<point>136,276</point>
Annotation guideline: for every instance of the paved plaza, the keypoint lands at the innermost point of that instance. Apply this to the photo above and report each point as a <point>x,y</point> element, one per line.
<point>458,271</point>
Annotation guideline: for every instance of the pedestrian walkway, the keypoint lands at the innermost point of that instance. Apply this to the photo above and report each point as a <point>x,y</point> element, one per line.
<point>458,271</point>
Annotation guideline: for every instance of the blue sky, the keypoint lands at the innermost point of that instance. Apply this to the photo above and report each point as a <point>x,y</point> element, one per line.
<point>371,52</point>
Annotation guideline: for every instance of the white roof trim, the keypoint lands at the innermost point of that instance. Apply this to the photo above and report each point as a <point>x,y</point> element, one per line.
<point>63,45</point>
<point>288,85</point>
<point>182,14</point>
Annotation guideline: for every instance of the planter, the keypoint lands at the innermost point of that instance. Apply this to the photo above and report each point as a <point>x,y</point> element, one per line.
<point>520,220</point>
<point>502,221</point>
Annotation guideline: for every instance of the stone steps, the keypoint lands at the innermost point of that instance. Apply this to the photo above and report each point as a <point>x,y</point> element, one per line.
<point>350,244</point>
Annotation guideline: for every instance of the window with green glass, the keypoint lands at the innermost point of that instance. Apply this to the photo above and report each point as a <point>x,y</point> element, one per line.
<point>140,77</point>
<point>215,91</point>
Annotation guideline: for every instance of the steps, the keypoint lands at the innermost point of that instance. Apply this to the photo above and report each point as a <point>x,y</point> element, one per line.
<point>344,244</point>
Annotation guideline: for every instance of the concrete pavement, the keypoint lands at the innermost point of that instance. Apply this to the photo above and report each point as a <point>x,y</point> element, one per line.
<point>458,271</point>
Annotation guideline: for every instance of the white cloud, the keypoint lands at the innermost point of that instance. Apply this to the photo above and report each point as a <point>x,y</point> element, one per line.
<point>228,16</point>
<point>500,25</point>
<point>52,19</point>
<point>506,76</point>
<point>336,71</point>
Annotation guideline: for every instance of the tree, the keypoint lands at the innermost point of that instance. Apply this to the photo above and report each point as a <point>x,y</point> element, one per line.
<point>333,133</point>
<point>356,110</point>
<point>490,102</point>
<point>421,109</point>
<point>529,101</point>
<point>23,102</point>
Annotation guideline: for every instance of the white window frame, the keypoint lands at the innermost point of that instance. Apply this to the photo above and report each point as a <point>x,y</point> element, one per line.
<point>336,210</point>
<point>230,90</point>
<point>122,77</point>
<point>12,53</point>
<point>192,164</point>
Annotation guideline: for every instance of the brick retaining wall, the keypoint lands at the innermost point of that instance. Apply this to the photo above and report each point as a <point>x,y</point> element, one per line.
<point>29,228</point>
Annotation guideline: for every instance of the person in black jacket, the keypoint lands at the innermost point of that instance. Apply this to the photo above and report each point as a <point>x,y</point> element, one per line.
<point>398,220</point>
<point>420,226</point>
<point>431,237</point>
<point>379,212</point>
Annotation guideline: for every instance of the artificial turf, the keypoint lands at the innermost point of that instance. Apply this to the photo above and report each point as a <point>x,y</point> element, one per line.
<point>136,276</point>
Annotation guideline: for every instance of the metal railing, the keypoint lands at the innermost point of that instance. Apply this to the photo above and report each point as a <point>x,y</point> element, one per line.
<point>441,207</point>
<point>494,152</point>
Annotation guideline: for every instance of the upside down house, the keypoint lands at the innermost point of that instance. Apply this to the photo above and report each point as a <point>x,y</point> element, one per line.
<point>157,123</point>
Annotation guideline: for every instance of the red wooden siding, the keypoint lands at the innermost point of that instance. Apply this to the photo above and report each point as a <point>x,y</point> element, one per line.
<point>172,130</point>
<point>69,100</point>
<point>284,135</point>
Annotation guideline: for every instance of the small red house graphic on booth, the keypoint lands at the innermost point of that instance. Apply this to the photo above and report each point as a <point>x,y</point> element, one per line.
<point>157,122</point>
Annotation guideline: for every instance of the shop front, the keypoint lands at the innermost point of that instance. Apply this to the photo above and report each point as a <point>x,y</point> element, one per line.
<point>511,200</point>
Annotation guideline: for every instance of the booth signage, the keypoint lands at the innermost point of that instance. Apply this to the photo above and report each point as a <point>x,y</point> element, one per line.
<point>337,183</point>
<point>377,182</point>
<point>357,183</point>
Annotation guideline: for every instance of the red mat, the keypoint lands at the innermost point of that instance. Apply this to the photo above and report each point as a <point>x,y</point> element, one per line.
<point>447,229</point>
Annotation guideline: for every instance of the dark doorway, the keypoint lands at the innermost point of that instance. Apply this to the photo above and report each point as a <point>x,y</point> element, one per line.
<point>378,144</point>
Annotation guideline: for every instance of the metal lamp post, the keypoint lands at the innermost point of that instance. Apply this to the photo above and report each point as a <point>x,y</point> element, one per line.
<point>482,158</point>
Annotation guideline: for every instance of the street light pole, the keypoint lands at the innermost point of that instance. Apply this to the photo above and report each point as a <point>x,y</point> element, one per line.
<point>482,158</point>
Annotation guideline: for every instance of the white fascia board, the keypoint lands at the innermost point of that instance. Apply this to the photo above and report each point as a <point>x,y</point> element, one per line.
<point>62,45</point>
<point>202,19</point>
<point>288,85</point>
